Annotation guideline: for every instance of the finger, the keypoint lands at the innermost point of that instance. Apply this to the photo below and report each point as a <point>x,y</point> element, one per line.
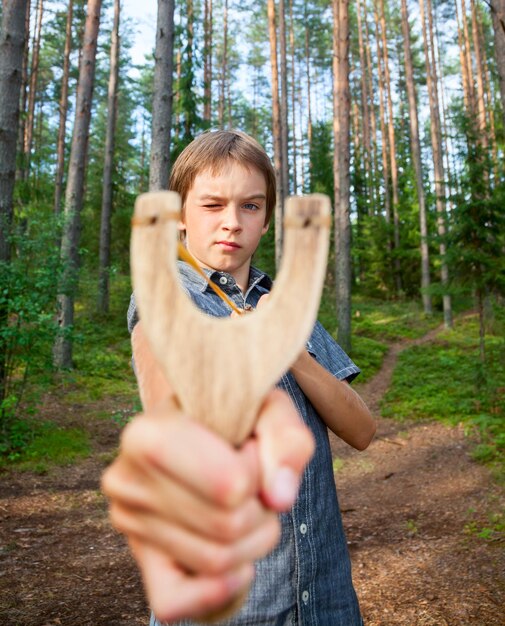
<point>158,495</point>
<point>187,452</point>
<point>285,446</point>
<point>191,551</point>
<point>174,594</point>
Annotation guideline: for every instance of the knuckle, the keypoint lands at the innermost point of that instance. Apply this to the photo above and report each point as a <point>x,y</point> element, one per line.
<point>216,559</point>
<point>230,525</point>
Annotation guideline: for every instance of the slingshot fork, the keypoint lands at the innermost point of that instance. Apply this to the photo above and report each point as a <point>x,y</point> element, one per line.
<point>222,368</point>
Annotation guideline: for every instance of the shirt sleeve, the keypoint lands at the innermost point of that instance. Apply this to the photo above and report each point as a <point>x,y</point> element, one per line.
<point>330,355</point>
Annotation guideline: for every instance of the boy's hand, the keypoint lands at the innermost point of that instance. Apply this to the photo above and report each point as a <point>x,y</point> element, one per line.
<point>188,501</point>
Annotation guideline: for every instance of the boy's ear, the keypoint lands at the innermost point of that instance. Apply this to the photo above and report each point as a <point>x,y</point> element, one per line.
<point>265,228</point>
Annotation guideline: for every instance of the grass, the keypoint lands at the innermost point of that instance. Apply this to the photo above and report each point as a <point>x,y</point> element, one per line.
<point>49,445</point>
<point>444,380</point>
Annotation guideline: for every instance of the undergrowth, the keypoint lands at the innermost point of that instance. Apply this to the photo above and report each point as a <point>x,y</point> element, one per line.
<point>445,380</point>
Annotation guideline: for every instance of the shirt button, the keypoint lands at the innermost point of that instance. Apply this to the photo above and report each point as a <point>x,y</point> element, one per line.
<point>223,280</point>
<point>303,528</point>
<point>305,596</point>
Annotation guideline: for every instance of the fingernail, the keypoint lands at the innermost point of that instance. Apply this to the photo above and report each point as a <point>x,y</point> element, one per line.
<point>240,579</point>
<point>285,487</point>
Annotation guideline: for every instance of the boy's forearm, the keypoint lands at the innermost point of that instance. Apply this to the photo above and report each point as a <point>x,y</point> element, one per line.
<point>338,405</point>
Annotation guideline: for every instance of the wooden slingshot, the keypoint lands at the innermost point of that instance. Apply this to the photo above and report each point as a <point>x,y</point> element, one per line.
<point>222,368</point>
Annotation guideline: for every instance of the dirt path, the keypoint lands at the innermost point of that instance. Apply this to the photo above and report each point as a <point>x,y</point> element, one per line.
<point>405,502</point>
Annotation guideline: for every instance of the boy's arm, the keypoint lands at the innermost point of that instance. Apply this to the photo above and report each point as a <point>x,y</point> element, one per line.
<point>338,405</point>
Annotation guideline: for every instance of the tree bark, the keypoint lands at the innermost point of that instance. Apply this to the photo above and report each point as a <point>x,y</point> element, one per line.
<point>392,150</point>
<point>468,59</point>
<point>341,161</point>
<point>384,134</point>
<point>364,107</point>
<point>436,146</point>
<point>489,105</point>
<point>293,93</point>
<point>224,66</point>
<point>309,107</point>
<point>12,44</point>
<point>284,98</point>
<point>207,62</point>
<point>498,16</point>
<point>32,94</point>
<point>60,150</point>
<point>62,352</point>
<point>105,226</point>
<point>481,108</point>
<point>20,171</point>
<point>162,99</point>
<point>276,132</point>
<point>417,161</point>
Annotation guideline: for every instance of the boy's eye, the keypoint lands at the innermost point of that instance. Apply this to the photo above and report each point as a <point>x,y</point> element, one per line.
<point>251,206</point>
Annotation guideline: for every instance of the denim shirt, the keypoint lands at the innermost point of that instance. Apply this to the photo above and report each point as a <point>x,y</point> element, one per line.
<point>306,579</point>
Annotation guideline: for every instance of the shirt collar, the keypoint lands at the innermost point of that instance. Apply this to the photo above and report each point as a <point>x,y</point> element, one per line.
<point>191,276</point>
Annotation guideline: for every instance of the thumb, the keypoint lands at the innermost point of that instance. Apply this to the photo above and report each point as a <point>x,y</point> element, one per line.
<point>285,446</point>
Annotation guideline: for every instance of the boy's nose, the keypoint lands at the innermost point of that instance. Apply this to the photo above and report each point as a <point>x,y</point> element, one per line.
<point>231,219</point>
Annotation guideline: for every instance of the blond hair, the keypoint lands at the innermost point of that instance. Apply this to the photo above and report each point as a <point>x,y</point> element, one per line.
<point>212,150</point>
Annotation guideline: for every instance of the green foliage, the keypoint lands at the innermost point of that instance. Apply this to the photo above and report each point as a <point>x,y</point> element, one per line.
<point>41,444</point>
<point>321,159</point>
<point>391,321</point>
<point>445,380</point>
<point>28,297</point>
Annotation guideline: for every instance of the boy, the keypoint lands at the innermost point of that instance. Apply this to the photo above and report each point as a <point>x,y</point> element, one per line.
<point>197,512</point>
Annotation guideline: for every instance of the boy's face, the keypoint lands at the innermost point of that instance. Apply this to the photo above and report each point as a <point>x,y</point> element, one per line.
<point>224,219</point>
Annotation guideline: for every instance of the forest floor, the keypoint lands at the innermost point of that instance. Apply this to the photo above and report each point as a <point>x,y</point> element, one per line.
<point>411,504</point>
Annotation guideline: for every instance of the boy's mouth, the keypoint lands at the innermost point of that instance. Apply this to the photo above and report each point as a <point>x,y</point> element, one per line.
<point>228,245</point>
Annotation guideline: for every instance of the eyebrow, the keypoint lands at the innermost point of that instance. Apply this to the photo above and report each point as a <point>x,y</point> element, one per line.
<point>255,196</point>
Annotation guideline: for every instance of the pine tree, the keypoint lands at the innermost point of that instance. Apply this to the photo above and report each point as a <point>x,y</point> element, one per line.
<point>62,351</point>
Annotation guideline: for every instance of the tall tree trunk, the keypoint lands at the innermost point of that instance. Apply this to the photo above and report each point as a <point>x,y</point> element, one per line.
<point>293,93</point>
<point>309,107</point>
<point>392,150</point>
<point>12,44</point>
<point>384,134</point>
<point>416,159</point>
<point>436,145</point>
<point>489,105</point>
<point>207,62</point>
<point>20,171</point>
<point>341,161</point>
<point>481,108</point>
<point>105,226</point>
<point>468,59</point>
<point>463,63</point>
<point>498,16</point>
<point>63,106</point>
<point>276,132</point>
<point>364,107</point>
<point>224,66</point>
<point>162,98</point>
<point>62,352</point>
<point>190,17</point>
<point>32,94</point>
<point>177,103</point>
<point>374,196</point>
<point>284,98</point>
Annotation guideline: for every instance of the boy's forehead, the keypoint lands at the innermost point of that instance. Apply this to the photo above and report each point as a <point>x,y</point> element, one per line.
<point>219,171</point>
